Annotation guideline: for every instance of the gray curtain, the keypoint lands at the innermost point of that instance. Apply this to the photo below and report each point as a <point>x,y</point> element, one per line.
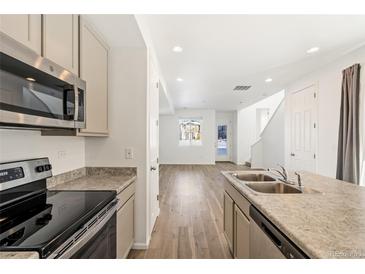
<point>348,156</point>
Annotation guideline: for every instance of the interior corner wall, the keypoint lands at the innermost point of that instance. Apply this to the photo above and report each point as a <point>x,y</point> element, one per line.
<point>170,150</point>
<point>127,121</point>
<point>328,80</point>
<point>234,138</point>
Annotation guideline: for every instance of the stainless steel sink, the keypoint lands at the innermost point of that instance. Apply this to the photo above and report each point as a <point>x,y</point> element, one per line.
<point>278,188</point>
<point>254,177</point>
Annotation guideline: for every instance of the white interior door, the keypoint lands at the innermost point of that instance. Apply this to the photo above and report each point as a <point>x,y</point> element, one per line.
<point>153,148</point>
<point>303,130</point>
<point>223,140</point>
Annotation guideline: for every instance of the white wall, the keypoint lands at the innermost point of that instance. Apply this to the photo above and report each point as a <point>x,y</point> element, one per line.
<point>127,100</point>
<point>170,150</point>
<point>328,79</point>
<point>270,150</point>
<point>65,153</point>
<point>246,125</point>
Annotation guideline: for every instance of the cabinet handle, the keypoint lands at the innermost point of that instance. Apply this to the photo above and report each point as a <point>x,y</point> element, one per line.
<point>292,154</point>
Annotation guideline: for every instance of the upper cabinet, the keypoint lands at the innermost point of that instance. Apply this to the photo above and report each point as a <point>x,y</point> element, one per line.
<point>25,28</point>
<point>61,40</point>
<point>94,70</point>
<point>71,42</point>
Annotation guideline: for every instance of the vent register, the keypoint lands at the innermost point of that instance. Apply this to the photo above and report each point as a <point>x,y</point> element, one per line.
<point>241,88</point>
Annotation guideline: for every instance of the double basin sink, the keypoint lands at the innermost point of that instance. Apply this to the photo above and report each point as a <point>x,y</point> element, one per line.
<point>263,183</point>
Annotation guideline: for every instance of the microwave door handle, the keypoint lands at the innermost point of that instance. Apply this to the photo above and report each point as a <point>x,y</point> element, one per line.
<point>76,93</point>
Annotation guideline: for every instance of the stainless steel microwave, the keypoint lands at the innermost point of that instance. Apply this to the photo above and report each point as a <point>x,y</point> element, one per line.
<point>36,92</point>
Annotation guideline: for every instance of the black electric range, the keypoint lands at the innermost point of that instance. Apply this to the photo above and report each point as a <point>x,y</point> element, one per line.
<point>56,224</point>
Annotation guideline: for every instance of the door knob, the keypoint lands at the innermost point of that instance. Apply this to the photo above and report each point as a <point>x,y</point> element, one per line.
<point>153,168</point>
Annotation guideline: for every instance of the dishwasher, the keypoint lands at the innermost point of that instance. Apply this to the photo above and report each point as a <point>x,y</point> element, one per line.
<point>267,242</point>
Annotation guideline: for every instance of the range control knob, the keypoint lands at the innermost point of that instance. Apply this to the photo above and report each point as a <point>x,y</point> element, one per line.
<point>39,168</point>
<point>47,167</point>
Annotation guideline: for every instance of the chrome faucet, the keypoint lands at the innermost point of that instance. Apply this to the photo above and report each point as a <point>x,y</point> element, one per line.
<point>281,172</point>
<point>299,178</point>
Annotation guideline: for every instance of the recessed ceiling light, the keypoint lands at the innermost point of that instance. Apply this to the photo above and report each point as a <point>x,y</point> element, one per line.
<point>177,49</point>
<point>30,79</point>
<point>313,50</point>
<point>179,79</point>
<point>268,80</point>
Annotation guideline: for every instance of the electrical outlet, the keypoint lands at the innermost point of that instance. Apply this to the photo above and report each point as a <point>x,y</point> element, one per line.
<point>128,152</point>
<point>61,154</point>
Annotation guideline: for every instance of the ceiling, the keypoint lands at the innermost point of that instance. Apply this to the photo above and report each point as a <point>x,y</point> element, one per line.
<point>222,51</point>
<point>119,30</point>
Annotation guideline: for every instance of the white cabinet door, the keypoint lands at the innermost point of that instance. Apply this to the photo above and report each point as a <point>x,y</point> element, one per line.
<point>61,40</point>
<point>228,206</point>
<point>94,70</point>
<point>25,28</point>
<point>241,234</point>
<point>125,228</point>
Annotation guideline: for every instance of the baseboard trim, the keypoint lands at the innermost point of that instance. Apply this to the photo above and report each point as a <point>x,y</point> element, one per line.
<point>140,246</point>
<point>127,252</point>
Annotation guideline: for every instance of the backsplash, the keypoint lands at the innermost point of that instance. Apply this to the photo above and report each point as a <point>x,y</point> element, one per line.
<point>89,171</point>
<point>65,153</point>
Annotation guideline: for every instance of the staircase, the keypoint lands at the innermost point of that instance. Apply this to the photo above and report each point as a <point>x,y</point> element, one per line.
<point>268,150</point>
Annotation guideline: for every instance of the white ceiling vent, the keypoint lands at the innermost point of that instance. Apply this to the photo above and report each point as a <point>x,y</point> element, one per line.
<point>241,88</point>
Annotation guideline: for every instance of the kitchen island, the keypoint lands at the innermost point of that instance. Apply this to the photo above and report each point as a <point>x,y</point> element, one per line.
<point>326,223</point>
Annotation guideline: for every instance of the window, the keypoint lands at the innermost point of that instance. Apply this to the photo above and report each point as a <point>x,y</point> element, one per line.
<point>190,132</point>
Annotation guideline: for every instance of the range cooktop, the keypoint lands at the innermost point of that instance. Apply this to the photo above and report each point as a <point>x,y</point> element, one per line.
<point>35,219</point>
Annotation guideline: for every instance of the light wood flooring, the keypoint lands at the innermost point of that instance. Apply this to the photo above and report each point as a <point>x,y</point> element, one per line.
<point>190,224</point>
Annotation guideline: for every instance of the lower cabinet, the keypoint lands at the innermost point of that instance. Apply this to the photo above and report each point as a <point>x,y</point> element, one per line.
<point>236,223</point>
<point>125,222</point>
<point>228,219</point>
<point>241,234</point>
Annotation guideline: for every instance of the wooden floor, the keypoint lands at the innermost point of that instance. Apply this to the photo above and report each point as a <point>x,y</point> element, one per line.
<point>190,224</point>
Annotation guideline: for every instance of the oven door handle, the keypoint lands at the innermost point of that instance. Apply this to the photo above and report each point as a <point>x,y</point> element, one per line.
<point>69,248</point>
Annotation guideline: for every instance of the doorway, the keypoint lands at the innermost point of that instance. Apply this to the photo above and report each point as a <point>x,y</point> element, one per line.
<point>223,140</point>
<point>154,206</point>
<point>303,129</point>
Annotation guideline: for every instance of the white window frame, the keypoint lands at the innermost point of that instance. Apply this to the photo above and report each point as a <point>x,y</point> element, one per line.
<point>190,142</point>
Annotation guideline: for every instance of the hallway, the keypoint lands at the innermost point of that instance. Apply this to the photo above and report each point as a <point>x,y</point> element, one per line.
<point>190,224</point>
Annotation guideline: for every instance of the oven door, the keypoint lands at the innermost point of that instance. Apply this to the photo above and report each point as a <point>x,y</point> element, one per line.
<point>97,239</point>
<point>102,245</point>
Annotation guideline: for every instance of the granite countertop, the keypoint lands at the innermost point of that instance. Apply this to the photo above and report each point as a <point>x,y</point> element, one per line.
<point>88,178</point>
<point>19,255</point>
<point>102,179</point>
<point>329,224</point>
